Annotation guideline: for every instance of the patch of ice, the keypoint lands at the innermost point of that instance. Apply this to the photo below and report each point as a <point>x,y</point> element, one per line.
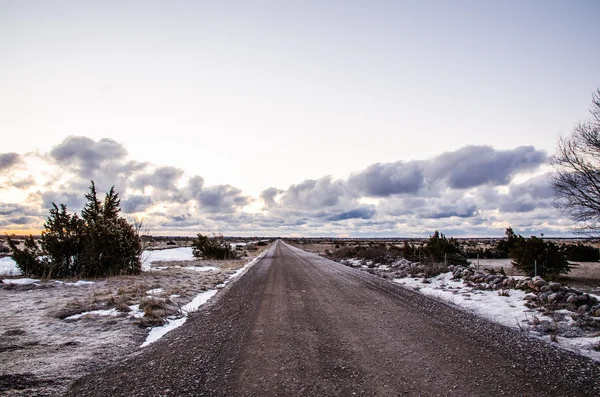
<point>155,291</point>
<point>79,283</point>
<point>8,267</point>
<point>135,311</point>
<point>198,301</point>
<point>20,281</point>
<point>158,332</point>
<point>201,268</point>
<point>106,312</point>
<point>172,254</point>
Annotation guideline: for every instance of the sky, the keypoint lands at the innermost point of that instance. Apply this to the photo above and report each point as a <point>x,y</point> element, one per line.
<point>294,118</point>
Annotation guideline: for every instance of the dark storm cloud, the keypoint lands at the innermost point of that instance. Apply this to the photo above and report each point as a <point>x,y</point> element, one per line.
<point>87,155</point>
<point>366,212</point>
<point>8,160</point>
<point>381,180</point>
<point>222,198</point>
<point>478,165</point>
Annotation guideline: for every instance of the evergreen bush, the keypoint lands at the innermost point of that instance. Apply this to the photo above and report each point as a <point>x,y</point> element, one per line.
<point>99,243</point>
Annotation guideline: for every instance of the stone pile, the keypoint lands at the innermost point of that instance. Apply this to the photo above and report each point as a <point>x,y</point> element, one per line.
<point>551,295</point>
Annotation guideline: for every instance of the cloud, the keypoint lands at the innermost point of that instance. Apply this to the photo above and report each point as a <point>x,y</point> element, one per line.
<point>15,208</point>
<point>136,203</point>
<point>315,194</point>
<point>222,198</point>
<point>366,212</point>
<point>24,183</point>
<point>478,165</point>
<point>87,155</point>
<point>382,180</point>
<point>269,195</point>
<point>9,160</point>
<point>448,211</point>
<point>23,220</point>
<point>73,201</point>
<point>164,178</point>
<point>468,189</point>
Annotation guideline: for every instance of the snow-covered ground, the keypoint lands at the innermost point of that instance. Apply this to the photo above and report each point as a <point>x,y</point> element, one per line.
<point>508,310</point>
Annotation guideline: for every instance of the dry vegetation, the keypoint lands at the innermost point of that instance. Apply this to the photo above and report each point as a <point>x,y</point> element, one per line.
<point>583,275</point>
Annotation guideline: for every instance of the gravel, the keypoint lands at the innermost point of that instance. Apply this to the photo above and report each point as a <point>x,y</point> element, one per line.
<point>296,324</point>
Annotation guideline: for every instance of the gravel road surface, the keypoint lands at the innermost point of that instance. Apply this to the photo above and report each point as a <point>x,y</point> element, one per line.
<point>296,324</point>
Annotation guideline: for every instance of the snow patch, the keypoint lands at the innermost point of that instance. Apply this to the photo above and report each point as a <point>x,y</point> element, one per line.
<point>200,268</point>
<point>106,312</point>
<point>158,332</point>
<point>198,301</point>
<point>507,310</point>
<point>173,322</point>
<point>20,281</point>
<point>8,267</point>
<point>78,283</point>
<point>172,254</point>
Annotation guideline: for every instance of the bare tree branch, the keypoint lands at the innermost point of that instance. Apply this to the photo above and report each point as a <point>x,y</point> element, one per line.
<point>576,181</point>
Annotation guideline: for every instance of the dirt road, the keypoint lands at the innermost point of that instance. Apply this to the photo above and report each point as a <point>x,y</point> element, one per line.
<point>299,325</point>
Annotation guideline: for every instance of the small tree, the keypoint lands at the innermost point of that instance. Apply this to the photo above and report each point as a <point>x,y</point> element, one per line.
<point>62,241</point>
<point>440,248</point>
<point>99,243</point>
<point>529,255</point>
<point>28,259</point>
<point>576,181</point>
<point>212,248</point>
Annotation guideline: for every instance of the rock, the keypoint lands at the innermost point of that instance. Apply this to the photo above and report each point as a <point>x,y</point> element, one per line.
<point>571,298</point>
<point>545,288</point>
<point>554,286</point>
<point>581,299</point>
<point>539,283</point>
<point>583,309</point>
<point>597,313</point>
<point>543,296</point>
<point>552,297</point>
